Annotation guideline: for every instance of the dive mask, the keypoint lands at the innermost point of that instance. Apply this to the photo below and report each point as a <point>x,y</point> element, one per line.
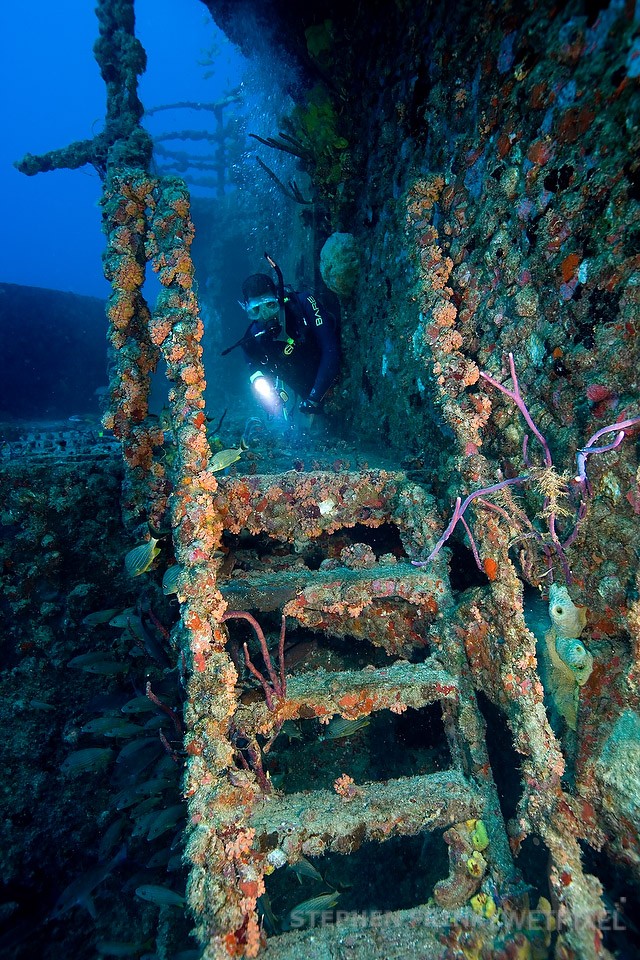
<point>265,308</point>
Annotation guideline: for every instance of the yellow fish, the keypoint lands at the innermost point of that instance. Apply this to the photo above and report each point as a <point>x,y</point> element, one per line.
<point>224,458</point>
<point>339,728</point>
<point>139,559</point>
<point>170,579</point>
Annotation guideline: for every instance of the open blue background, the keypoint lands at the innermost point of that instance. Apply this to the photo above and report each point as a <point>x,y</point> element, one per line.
<point>53,95</point>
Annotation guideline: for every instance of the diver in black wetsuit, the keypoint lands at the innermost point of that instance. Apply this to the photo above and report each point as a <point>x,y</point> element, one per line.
<point>292,341</point>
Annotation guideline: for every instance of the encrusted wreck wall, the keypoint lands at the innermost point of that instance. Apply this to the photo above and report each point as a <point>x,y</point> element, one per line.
<point>499,212</point>
<point>504,140</point>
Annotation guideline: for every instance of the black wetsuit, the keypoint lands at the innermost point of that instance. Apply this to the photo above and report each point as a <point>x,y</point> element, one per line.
<point>308,357</point>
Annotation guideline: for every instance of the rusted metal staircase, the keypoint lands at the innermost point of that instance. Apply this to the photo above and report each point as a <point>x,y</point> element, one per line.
<point>234,812</point>
<point>245,829</point>
<point>240,828</point>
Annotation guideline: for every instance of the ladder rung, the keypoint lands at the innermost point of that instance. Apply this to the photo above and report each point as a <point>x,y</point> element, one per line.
<point>314,503</point>
<point>361,935</point>
<point>376,604</point>
<point>397,581</point>
<point>357,693</point>
<point>322,821</point>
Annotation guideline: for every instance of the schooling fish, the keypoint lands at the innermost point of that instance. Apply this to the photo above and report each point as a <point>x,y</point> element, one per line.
<point>91,758</point>
<point>111,726</point>
<point>291,730</point>
<point>140,704</point>
<point>161,896</point>
<point>122,619</point>
<point>224,458</point>
<point>78,893</point>
<point>98,663</point>
<point>98,617</point>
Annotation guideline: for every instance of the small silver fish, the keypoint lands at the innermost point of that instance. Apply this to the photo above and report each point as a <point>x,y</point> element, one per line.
<point>291,730</point>
<point>166,820</point>
<point>111,727</point>
<point>110,837</point>
<point>136,746</point>
<point>224,458</point>
<point>91,758</point>
<point>143,822</point>
<point>145,806</point>
<point>122,619</point>
<point>156,785</point>
<point>176,863</point>
<point>139,560</point>
<point>304,868</point>
<point>108,668</point>
<point>139,704</point>
<point>98,663</point>
<point>134,628</point>
<point>159,859</point>
<point>155,723</point>
<point>78,893</point>
<point>99,616</point>
<point>137,630</point>
<point>126,798</point>
<point>86,659</point>
<point>304,912</point>
<point>161,896</point>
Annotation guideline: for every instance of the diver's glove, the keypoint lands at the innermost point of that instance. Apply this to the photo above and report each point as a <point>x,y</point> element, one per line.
<point>310,406</point>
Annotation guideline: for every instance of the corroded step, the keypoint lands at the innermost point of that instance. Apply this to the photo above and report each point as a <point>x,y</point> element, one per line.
<point>322,821</point>
<point>354,693</point>
<point>363,935</point>
<point>376,603</point>
<point>268,591</point>
<point>298,507</point>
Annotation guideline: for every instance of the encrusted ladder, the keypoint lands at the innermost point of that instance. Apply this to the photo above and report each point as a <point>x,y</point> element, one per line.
<point>245,829</point>
<point>233,815</point>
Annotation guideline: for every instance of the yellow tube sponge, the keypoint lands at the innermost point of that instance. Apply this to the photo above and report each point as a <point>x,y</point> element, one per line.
<point>569,663</point>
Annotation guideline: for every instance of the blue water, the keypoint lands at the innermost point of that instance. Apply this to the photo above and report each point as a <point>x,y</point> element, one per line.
<point>54,95</point>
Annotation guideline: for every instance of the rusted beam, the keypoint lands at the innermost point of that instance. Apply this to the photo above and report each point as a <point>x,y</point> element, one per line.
<point>378,811</point>
<point>354,693</point>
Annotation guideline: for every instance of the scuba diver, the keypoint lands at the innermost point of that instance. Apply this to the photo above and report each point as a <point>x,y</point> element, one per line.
<point>292,341</point>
